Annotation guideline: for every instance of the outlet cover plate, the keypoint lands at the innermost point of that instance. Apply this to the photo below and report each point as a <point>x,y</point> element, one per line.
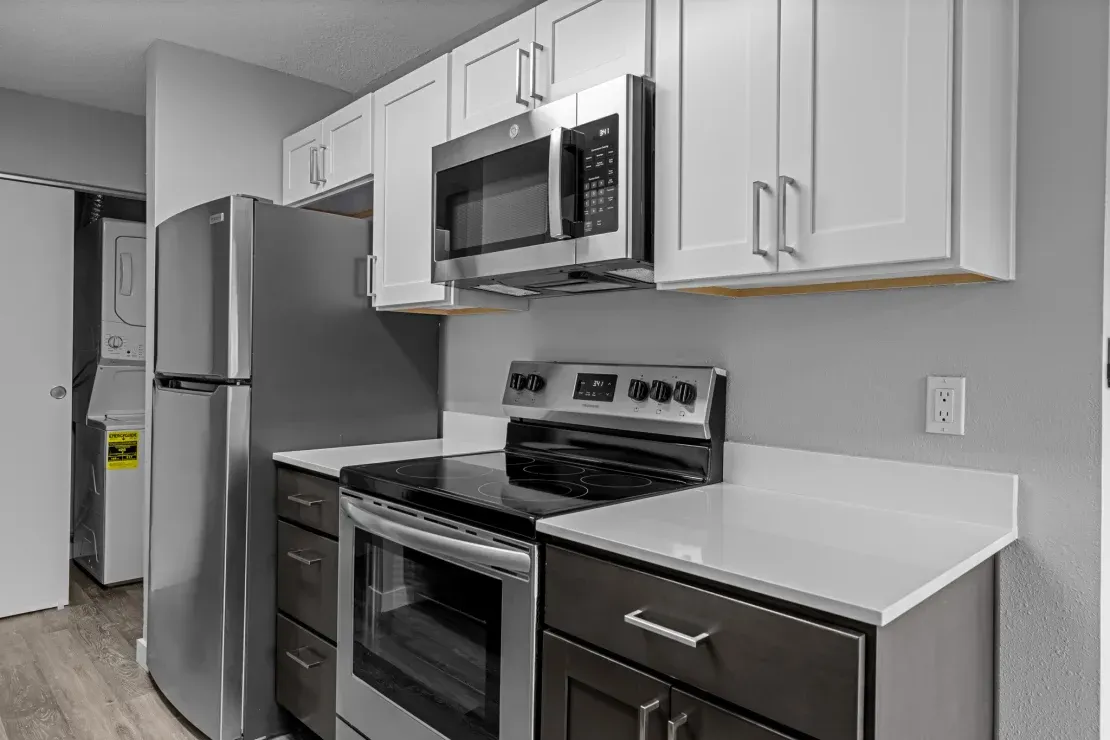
<point>933,423</point>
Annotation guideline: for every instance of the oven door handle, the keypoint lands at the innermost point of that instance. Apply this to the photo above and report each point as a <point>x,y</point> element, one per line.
<point>556,224</point>
<point>411,534</point>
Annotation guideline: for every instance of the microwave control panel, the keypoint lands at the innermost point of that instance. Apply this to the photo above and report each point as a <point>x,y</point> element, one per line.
<point>600,181</point>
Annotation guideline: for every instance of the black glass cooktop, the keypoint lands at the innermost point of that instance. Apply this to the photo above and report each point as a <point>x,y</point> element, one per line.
<point>502,490</point>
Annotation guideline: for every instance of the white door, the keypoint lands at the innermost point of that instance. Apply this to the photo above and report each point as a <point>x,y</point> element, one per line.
<point>300,157</point>
<point>717,133</point>
<point>36,317</point>
<point>866,113</point>
<point>410,117</point>
<point>491,75</point>
<point>587,42</point>
<point>347,144</point>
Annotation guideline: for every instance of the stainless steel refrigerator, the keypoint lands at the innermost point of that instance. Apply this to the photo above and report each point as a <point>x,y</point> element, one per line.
<point>264,341</point>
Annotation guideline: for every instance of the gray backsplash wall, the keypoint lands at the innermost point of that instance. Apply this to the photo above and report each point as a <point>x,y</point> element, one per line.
<point>845,372</point>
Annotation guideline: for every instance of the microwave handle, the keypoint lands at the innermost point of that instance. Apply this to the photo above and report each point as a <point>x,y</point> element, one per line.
<point>556,222</point>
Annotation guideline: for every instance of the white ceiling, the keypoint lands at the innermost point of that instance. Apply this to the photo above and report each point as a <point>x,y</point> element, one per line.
<point>91,51</point>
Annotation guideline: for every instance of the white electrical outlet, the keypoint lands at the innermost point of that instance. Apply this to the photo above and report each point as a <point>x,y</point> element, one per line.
<point>945,405</point>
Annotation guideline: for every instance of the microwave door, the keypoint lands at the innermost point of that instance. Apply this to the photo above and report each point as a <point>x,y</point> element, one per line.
<point>203,298</point>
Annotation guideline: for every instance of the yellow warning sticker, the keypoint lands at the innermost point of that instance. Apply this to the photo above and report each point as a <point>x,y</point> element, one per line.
<point>123,450</point>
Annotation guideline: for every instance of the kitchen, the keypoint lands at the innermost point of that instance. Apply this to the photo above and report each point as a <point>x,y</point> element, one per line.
<point>840,373</point>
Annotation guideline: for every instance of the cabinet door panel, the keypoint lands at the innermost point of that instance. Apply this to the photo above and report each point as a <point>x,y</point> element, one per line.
<point>717,131</point>
<point>410,117</point>
<point>866,130</point>
<point>586,696</point>
<point>587,42</point>
<point>347,144</point>
<point>297,168</point>
<point>485,72</point>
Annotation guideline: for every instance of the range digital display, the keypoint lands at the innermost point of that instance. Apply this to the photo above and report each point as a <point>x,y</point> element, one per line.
<point>592,387</point>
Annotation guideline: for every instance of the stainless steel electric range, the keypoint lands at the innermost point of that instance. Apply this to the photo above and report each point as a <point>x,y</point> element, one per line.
<point>439,564</point>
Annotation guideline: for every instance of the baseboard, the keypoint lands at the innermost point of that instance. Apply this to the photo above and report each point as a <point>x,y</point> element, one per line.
<point>140,653</point>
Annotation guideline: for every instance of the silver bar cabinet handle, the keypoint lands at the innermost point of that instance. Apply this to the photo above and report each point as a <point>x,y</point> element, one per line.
<point>299,499</point>
<point>634,619</point>
<point>537,47</point>
<point>674,724</point>
<point>757,189</point>
<point>310,560</point>
<point>321,169</point>
<point>312,165</point>
<point>644,715</point>
<point>520,54</point>
<point>785,181</point>
<point>293,656</point>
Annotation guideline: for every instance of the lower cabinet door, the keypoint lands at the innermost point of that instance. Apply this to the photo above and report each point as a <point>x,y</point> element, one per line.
<point>306,677</point>
<point>693,719</point>
<point>586,696</point>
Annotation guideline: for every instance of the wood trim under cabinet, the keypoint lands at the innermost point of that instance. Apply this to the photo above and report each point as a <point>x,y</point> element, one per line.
<point>452,311</point>
<point>842,287</point>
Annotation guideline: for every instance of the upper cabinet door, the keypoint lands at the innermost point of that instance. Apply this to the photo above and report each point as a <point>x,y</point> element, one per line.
<point>410,117</point>
<point>347,143</point>
<point>300,156</point>
<point>866,111</point>
<point>717,133</point>
<point>491,76</point>
<point>587,42</point>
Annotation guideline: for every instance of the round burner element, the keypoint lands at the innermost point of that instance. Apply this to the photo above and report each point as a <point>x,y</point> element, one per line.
<point>615,480</point>
<point>532,489</point>
<point>554,469</point>
<point>439,471</point>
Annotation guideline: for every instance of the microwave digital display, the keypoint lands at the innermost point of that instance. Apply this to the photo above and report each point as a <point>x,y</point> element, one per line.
<point>592,387</point>
<point>600,175</point>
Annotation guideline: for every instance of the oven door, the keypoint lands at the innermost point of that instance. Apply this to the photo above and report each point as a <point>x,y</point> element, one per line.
<point>437,627</point>
<point>507,197</point>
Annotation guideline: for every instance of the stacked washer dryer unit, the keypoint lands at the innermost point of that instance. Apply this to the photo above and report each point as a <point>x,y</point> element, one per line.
<point>109,322</point>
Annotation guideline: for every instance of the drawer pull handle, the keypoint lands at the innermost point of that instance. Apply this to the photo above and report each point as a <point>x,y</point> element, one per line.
<point>294,655</point>
<point>312,559</point>
<point>306,502</point>
<point>644,716</point>
<point>634,619</point>
<point>674,724</point>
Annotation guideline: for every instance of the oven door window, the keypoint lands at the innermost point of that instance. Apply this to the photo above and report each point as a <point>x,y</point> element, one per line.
<point>500,201</point>
<point>427,636</point>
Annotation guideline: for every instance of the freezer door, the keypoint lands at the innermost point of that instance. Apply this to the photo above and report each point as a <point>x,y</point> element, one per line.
<point>203,297</point>
<point>198,538</point>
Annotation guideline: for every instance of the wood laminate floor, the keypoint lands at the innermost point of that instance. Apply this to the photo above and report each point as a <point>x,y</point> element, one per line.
<point>71,674</point>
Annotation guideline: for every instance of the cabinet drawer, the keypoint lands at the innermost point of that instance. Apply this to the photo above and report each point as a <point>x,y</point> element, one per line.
<point>799,673</point>
<point>704,721</point>
<point>308,500</point>
<point>306,677</point>
<point>308,578</point>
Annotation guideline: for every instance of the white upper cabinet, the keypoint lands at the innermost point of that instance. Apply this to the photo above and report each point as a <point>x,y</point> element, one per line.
<point>410,117</point>
<point>583,43</point>
<point>491,76</point>
<point>867,139</point>
<point>717,93</point>
<point>865,124</point>
<point>300,158</point>
<point>347,144</point>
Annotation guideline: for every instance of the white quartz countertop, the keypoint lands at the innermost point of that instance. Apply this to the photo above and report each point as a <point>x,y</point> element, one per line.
<point>463,434</point>
<point>836,534</point>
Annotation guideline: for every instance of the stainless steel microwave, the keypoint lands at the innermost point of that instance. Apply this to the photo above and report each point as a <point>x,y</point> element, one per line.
<point>557,200</point>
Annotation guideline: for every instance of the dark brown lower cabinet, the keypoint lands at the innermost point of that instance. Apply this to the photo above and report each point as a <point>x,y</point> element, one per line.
<point>588,696</point>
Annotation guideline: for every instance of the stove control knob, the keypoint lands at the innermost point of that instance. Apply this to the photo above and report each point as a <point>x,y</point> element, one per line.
<point>660,391</point>
<point>517,381</point>
<point>685,393</point>
<point>637,389</point>
<point>536,383</point>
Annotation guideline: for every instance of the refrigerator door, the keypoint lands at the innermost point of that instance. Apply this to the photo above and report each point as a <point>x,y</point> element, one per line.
<point>203,296</point>
<point>199,487</point>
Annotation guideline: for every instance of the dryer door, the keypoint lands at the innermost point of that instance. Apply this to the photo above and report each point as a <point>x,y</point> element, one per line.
<point>130,270</point>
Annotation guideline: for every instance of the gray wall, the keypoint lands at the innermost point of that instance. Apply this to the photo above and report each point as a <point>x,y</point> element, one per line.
<point>845,373</point>
<point>49,139</point>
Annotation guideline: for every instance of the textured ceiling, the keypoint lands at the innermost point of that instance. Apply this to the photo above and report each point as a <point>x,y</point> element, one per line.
<point>91,51</point>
